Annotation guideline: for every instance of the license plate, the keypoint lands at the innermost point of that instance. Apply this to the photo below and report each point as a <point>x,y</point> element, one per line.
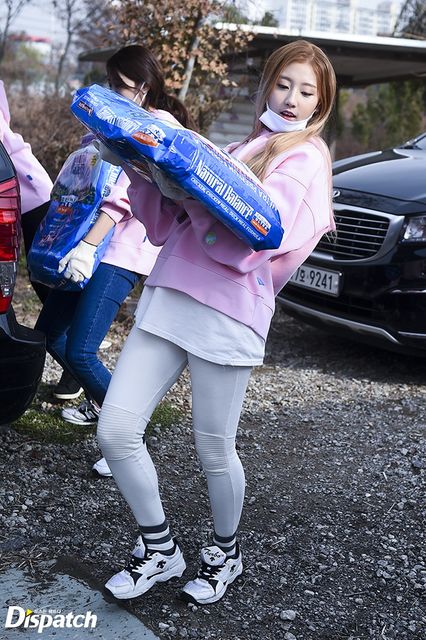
<point>310,277</point>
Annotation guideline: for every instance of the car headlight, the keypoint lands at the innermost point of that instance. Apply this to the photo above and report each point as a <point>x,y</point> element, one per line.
<point>415,231</point>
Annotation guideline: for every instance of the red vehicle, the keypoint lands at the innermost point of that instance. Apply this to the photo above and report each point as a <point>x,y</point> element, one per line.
<point>22,350</point>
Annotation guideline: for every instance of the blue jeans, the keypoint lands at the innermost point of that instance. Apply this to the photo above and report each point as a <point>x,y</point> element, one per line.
<point>76,323</point>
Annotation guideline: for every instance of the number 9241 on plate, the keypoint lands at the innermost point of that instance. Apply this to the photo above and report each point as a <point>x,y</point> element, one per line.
<point>323,280</point>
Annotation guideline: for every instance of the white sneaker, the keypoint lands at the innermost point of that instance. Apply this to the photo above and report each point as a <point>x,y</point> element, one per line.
<point>216,573</point>
<point>144,570</point>
<point>86,413</point>
<point>102,469</point>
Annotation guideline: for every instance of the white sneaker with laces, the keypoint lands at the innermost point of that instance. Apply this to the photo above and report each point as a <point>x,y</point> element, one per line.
<point>216,574</point>
<point>86,413</point>
<point>144,570</point>
<point>102,469</point>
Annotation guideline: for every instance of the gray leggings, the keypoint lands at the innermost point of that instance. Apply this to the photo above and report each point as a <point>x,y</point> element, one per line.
<point>146,369</point>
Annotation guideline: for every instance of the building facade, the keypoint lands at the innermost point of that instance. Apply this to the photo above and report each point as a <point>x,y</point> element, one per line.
<point>335,16</point>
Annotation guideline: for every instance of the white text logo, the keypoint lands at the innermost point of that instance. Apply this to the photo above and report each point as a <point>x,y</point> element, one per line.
<point>19,617</point>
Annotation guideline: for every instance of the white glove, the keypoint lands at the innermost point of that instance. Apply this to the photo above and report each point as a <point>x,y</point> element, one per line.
<point>166,185</point>
<point>79,262</point>
<point>107,155</point>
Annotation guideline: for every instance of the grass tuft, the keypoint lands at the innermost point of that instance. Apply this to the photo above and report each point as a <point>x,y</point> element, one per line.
<point>165,415</point>
<point>47,426</point>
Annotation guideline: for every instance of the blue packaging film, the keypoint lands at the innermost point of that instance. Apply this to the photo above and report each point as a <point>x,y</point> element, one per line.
<point>83,182</point>
<point>225,186</point>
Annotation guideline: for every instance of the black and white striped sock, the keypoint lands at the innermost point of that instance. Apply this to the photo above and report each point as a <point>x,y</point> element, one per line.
<point>158,538</point>
<point>227,544</point>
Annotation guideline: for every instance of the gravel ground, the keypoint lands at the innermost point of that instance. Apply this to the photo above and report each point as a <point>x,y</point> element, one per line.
<point>332,439</point>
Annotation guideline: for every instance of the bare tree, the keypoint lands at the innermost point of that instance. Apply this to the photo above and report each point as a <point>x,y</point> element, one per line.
<point>411,22</point>
<point>94,32</point>
<point>13,9</point>
<point>74,16</point>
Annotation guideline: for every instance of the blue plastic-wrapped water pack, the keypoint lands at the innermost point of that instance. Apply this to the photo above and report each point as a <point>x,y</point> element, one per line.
<point>84,180</point>
<point>225,186</point>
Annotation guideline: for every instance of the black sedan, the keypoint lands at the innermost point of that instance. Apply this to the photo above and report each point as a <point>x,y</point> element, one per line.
<point>368,281</point>
<point>22,350</point>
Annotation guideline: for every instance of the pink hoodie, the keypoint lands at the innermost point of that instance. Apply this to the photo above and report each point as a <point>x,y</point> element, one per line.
<point>34,182</point>
<point>129,246</point>
<point>202,258</point>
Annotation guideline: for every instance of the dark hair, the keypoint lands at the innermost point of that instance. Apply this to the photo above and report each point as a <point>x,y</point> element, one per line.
<point>140,65</point>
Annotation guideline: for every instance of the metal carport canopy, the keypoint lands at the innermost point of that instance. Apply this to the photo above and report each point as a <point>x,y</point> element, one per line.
<point>357,60</point>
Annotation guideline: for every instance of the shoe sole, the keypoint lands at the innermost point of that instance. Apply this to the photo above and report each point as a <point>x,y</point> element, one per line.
<point>101,475</point>
<point>80,422</point>
<point>187,597</point>
<point>173,572</point>
<point>68,396</point>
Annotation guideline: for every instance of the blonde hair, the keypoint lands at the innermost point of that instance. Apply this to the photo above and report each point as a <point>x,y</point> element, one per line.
<point>297,51</point>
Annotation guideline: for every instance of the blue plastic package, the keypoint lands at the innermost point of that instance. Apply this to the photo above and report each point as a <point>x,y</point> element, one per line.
<point>225,186</point>
<point>84,180</point>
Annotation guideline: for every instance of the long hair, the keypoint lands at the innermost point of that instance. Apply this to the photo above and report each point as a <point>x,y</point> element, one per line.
<point>140,65</point>
<point>297,51</point>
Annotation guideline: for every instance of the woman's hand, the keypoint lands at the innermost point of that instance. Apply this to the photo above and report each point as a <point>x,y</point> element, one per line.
<point>79,262</point>
<point>166,185</point>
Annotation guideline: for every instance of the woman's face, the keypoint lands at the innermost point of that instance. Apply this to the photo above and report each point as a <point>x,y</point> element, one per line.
<point>129,89</point>
<point>295,94</point>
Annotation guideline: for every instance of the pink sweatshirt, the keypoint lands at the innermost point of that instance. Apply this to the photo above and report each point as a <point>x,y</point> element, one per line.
<point>227,274</point>
<point>35,184</point>
<point>129,246</point>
